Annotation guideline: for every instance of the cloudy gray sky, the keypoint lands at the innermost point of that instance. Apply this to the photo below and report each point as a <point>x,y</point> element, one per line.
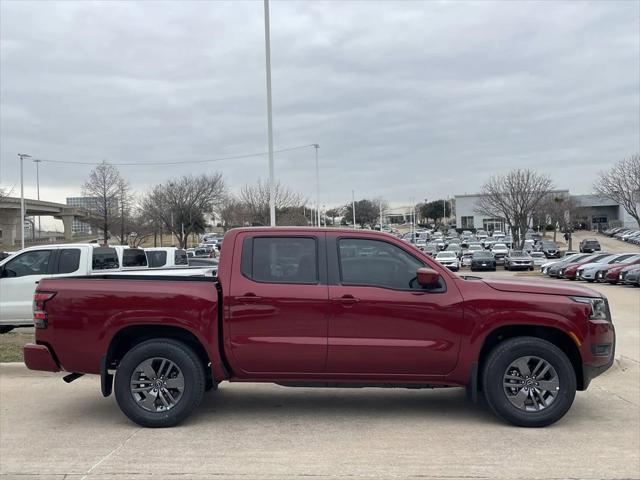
<point>406,99</point>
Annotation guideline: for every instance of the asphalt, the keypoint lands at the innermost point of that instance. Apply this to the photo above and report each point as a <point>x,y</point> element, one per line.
<point>51,430</point>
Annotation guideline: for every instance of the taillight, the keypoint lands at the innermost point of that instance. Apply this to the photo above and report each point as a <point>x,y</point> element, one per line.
<point>39,314</point>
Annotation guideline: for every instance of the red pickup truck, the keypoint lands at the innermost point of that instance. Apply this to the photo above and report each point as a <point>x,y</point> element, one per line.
<point>323,307</point>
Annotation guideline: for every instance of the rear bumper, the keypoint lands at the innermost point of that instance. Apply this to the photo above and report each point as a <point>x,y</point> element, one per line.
<point>39,357</point>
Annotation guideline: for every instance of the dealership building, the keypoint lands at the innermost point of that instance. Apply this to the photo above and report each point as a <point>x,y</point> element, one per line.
<point>593,212</point>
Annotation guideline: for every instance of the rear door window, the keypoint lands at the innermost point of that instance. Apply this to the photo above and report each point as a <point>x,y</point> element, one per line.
<point>284,260</point>
<point>68,260</point>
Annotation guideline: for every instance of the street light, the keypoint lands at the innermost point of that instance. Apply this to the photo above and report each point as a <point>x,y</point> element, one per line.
<point>37,162</point>
<point>353,206</point>
<point>272,185</point>
<point>316,146</point>
<point>22,156</point>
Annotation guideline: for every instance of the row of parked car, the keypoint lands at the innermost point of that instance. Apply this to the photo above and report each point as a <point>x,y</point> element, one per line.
<point>613,268</point>
<point>629,235</point>
<point>481,251</point>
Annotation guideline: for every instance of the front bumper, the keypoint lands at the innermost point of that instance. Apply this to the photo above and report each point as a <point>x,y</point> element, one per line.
<point>39,357</point>
<point>600,354</point>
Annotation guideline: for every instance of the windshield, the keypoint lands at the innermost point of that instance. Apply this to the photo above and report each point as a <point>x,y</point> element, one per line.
<point>446,255</point>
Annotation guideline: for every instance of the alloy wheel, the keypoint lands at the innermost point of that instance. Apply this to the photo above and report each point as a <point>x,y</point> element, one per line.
<point>157,384</point>
<point>531,383</point>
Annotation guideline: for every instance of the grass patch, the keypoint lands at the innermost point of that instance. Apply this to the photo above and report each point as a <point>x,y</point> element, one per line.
<point>11,344</point>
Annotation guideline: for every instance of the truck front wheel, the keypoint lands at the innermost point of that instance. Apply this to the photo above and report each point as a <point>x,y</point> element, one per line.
<point>159,383</point>
<point>529,382</point>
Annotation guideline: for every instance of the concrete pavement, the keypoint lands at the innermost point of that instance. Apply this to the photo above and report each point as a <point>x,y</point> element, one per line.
<point>49,429</point>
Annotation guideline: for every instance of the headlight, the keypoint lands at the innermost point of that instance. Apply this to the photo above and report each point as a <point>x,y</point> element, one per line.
<point>599,307</point>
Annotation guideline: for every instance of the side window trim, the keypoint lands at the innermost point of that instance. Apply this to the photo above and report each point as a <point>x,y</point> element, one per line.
<point>246,258</point>
<point>336,274</point>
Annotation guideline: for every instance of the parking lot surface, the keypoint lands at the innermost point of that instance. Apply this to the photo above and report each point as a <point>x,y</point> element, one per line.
<point>50,430</point>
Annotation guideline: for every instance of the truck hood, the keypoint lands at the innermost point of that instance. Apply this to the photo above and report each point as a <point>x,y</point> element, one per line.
<point>539,286</point>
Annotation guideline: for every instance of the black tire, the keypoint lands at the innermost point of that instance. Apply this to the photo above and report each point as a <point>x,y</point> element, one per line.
<point>194,382</point>
<point>531,269</point>
<point>500,360</point>
<point>5,329</point>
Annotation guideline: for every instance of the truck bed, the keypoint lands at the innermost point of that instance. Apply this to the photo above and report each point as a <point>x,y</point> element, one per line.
<point>86,312</point>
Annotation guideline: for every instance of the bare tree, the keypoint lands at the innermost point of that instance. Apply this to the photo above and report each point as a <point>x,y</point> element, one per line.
<point>622,184</point>
<point>182,204</point>
<point>103,185</point>
<point>332,213</point>
<point>514,196</point>
<point>255,199</point>
<point>141,228</point>
<point>558,210</point>
<point>232,213</point>
<point>124,212</point>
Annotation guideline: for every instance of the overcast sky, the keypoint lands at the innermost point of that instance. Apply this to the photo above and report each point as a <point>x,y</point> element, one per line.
<point>406,99</point>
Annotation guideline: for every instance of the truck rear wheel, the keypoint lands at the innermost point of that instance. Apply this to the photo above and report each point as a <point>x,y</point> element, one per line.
<point>159,383</point>
<point>529,382</point>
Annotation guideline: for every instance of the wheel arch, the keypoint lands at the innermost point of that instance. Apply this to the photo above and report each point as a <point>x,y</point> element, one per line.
<point>128,337</point>
<point>556,336</point>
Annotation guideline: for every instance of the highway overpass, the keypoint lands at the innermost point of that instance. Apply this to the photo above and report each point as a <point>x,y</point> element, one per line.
<point>10,216</point>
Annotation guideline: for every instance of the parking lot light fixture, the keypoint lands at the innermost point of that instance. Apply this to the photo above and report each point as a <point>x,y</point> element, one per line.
<point>22,156</point>
<point>316,147</point>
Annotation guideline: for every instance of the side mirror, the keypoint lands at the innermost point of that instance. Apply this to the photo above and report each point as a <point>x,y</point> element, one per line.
<point>427,277</point>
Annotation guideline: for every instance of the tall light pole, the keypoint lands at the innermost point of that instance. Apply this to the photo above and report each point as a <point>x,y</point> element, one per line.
<point>316,146</point>
<point>272,185</point>
<point>37,162</point>
<point>22,156</point>
<point>353,206</point>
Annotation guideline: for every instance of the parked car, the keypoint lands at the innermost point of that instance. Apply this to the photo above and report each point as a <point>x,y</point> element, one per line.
<point>628,237</point>
<point>538,258</point>
<point>550,249</point>
<point>455,248</point>
<point>590,270</point>
<point>552,269</point>
<point>483,260</point>
<point>614,273</point>
<point>467,254</point>
<point>570,271</point>
<point>499,251</point>
<point>518,260</point>
<point>430,249</point>
<point>398,318</point>
<point>589,245</point>
<point>20,273</point>
<point>448,259</point>
<point>162,257</point>
<point>631,277</point>
<point>529,246</point>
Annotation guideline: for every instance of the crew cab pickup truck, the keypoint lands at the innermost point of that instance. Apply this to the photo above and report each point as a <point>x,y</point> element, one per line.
<point>327,308</point>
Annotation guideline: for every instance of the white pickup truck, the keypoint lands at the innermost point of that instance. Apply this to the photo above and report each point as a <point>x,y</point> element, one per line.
<point>21,272</point>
